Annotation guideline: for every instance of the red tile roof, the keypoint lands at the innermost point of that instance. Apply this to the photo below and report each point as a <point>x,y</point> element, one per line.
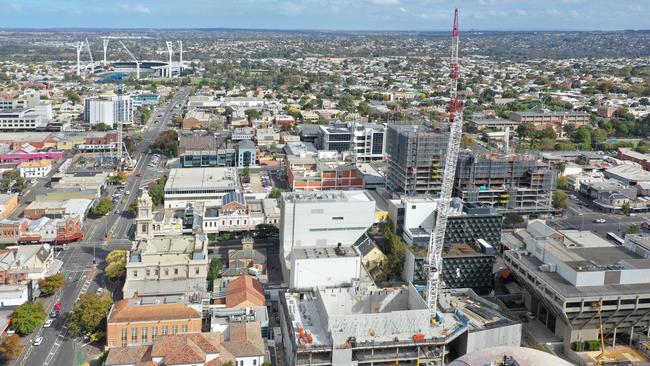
<point>123,312</point>
<point>245,291</point>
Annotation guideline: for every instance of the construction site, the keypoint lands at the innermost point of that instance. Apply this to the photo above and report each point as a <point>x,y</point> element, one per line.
<point>508,182</point>
<point>366,325</point>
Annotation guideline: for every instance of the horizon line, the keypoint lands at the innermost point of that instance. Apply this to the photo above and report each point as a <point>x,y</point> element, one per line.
<point>204,29</point>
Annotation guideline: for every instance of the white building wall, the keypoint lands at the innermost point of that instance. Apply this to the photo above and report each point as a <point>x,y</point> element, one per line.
<point>249,361</point>
<point>419,212</point>
<point>324,272</point>
<point>495,337</point>
<point>323,223</point>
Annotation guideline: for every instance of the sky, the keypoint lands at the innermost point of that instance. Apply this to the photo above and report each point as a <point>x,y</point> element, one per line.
<point>421,15</point>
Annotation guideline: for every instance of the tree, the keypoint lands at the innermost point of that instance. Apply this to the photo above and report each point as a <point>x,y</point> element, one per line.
<point>276,193</point>
<point>167,143</point>
<point>582,137</point>
<point>253,114</point>
<point>265,231</point>
<point>560,166</point>
<point>214,270</point>
<point>104,206</point>
<point>560,199</point>
<point>118,178</point>
<point>266,363</point>
<point>116,264</point>
<point>643,147</point>
<point>625,208</point>
<point>563,182</point>
<point>72,96</point>
<point>634,229</point>
<point>89,314</point>
<point>101,126</point>
<point>133,208</point>
<point>512,219</point>
<point>11,347</point>
<point>246,172</point>
<point>28,317</point>
<point>51,284</point>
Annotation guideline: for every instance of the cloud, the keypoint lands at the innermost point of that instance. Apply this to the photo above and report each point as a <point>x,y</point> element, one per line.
<point>135,8</point>
<point>386,2</point>
<point>402,9</point>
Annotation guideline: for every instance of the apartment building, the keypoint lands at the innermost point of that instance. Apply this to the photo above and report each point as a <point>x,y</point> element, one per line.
<point>415,159</point>
<point>369,141</point>
<point>336,137</point>
<point>140,321</point>
<point>109,111</point>
<point>322,172</point>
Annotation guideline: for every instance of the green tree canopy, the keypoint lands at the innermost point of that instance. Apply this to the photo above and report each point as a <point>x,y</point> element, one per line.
<point>89,314</point>
<point>101,126</point>
<point>214,270</point>
<point>275,193</point>
<point>560,199</point>
<point>51,284</point>
<point>28,317</point>
<point>633,229</point>
<point>104,206</point>
<point>133,208</point>
<point>512,219</point>
<point>116,264</point>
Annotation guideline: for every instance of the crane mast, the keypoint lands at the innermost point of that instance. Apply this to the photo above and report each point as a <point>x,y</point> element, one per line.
<point>436,240</point>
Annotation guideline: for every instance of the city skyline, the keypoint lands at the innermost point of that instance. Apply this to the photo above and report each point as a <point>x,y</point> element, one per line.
<point>352,15</point>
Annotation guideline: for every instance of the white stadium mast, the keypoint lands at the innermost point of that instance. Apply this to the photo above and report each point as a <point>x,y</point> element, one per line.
<point>436,240</point>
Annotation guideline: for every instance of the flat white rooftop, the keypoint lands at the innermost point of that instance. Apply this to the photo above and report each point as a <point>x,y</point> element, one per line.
<point>201,180</point>
<point>328,196</point>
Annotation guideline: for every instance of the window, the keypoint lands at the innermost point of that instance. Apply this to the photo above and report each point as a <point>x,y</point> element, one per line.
<point>196,270</point>
<point>154,333</point>
<point>184,328</point>
<point>144,335</point>
<point>166,272</point>
<point>148,273</point>
<point>135,273</point>
<point>254,362</point>
<point>124,335</point>
<point>164,330</point>
<point>134,335</point>
<point>175,271</point>
<point>337,218</point>
<point>174,329</point>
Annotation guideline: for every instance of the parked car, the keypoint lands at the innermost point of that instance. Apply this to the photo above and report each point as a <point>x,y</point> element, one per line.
<point>54,314</point>
<point>48,323</point>
<point>37,341</point>
<point>600,221</point>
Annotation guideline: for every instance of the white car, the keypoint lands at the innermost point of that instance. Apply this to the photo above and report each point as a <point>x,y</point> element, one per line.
<point>48,323</point>
<point>100,290</point>
<point>600,221</point>
<point>38,341</point>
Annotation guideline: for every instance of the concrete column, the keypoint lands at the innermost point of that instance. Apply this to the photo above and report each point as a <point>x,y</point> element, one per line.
<point>443,355</point>
<point>631,334</point>
<point>614,339</point>
<point>546,321</point>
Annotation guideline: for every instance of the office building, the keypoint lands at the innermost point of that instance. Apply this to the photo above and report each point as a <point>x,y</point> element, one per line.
<point>369,141</point>
<point>415,159</point>
<point>366,325</point>
<point>323,219</point>
<point>171,265</point>
<point>555,120</point>
<point>246,153</point>
<point>335,137</point>
<point>568,276</point>
<point>21,120</point>
<point>200,151</point>
<point>109,111</point>
<point>508,182</point>
<point>140,321</point>
<point>192,185</point>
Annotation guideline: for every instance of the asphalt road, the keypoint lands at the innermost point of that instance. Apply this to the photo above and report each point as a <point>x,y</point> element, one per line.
<point>580,215</point>
<point>58,348</point>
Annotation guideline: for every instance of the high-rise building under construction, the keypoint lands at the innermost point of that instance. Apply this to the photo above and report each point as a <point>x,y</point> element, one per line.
<point>415,159</point>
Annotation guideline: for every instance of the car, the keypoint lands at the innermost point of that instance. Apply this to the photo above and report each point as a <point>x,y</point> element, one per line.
<point>100,290</point>
<point>38,341</point>
<point>127,193</point>
<point>58,306</point>
<point>48,323</point>
<point>631,214</point>
<point>523,318</point>
<point>600,221</point>
<point>530,316</point>
<point>54,314</point>
<point>138,174</point>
